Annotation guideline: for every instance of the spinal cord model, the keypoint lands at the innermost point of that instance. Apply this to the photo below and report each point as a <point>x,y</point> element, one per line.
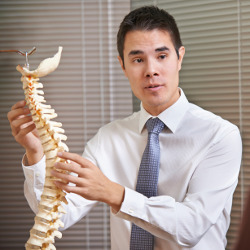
<point>47,220</point>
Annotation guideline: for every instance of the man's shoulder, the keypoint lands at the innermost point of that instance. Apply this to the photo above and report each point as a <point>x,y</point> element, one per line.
<point>210,120</point>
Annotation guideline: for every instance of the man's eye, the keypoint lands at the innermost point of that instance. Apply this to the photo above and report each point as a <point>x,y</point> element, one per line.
<point>162,56</point>
<point>138,60</point>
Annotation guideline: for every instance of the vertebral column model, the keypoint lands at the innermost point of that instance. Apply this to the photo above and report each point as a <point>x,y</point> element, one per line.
<point>47,220</point>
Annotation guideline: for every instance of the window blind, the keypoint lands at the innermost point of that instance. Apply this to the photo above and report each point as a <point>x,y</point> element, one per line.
<point>87,91</point>
<point>215,73</point>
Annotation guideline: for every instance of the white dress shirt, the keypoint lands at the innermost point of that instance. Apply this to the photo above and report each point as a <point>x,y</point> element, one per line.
<point>199,167</point>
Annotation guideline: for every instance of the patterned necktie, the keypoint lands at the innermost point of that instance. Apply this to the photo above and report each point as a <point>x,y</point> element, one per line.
<point>147,181</point>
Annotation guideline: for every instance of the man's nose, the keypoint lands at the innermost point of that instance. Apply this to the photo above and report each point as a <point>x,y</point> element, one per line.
<point>151,69</point>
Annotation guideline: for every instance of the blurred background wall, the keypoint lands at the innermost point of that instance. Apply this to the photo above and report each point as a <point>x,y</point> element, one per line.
<point>87,91</point>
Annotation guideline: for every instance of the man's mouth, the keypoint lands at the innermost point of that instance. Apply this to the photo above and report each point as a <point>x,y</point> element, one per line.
<point>154,86</point>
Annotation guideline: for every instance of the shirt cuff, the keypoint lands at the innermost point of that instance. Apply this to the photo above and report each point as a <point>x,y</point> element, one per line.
<point>34,174</point>
<point>133,205</point>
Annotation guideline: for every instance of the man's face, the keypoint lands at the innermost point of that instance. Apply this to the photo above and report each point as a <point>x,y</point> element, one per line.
<point>152,68</point>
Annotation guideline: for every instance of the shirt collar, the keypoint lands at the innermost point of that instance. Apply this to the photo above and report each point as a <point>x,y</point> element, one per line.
<point>171,117</point>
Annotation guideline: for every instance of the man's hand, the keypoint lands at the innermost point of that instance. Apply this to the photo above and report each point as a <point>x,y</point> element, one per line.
<point>24,131</point>
<point>90,182</point>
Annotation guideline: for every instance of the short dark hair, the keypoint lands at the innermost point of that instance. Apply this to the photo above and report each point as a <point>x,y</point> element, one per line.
<point>148,18</point>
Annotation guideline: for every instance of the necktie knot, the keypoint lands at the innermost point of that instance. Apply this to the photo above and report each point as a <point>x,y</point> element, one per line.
<point>154,125</point>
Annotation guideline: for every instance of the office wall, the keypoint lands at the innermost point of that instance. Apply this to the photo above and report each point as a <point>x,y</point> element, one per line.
<point>87,91</point>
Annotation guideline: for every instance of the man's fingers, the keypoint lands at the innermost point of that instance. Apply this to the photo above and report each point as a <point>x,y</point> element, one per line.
<point>68,188</point>
<point>25,131</point>
<point>17,113</point>
<point>67,178</point>
<point>19,104</point>
<point>73,157</point>
<point>72,167</point>
<point>20,124</point>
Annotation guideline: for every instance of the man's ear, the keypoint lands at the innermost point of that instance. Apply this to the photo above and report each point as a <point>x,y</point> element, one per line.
<point>181,56</point>
<point>122,64</point>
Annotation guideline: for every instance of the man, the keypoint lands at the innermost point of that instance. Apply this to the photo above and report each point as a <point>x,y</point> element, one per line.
<point>199,161</point>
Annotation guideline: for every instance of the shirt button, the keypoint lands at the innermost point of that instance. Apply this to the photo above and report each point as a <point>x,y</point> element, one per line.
<point>130,211</point>
<point>37,174</point>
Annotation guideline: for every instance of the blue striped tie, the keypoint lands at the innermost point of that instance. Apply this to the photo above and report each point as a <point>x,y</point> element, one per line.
<point>147,181</point>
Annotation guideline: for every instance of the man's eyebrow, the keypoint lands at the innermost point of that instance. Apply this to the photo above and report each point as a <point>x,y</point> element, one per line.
<point>163,48</point>
<point>138,52</point>
<point>135,52</point>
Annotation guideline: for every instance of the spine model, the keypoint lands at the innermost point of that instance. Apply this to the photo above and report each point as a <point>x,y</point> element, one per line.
<point>47,220</point>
